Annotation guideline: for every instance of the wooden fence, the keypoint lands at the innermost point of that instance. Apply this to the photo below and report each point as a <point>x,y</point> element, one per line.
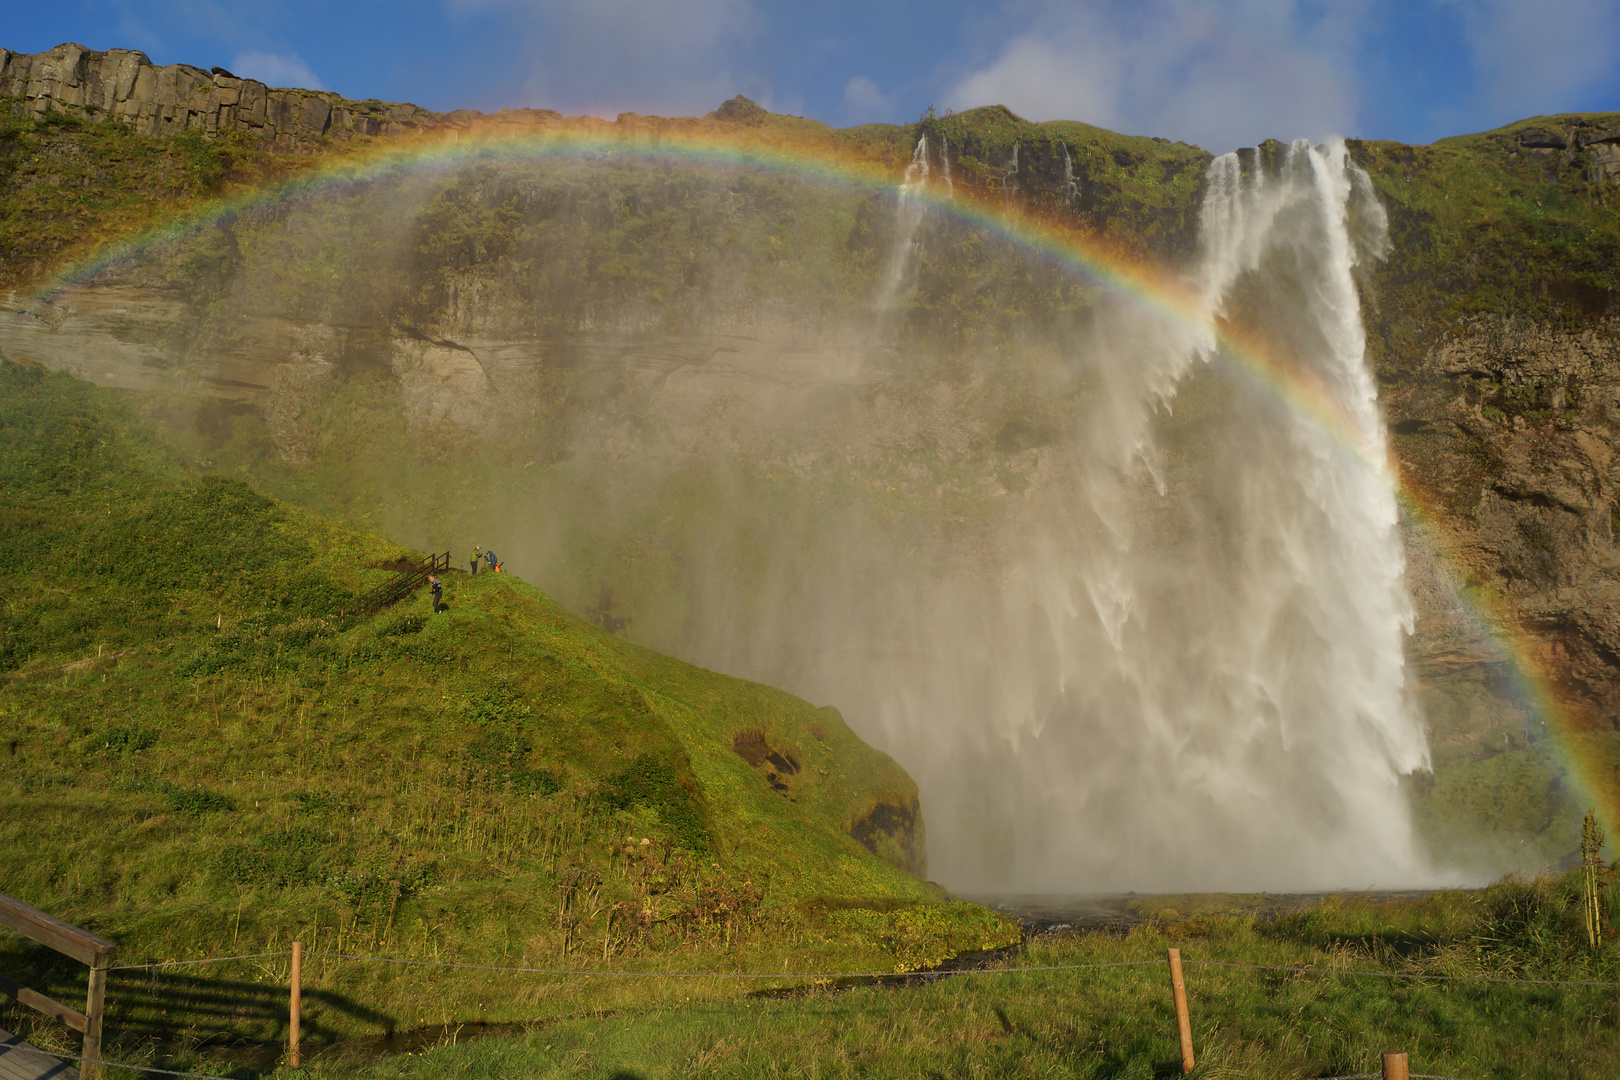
<point>69,940</point>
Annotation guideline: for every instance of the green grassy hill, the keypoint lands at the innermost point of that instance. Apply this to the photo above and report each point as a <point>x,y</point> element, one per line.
<point>204,757</point>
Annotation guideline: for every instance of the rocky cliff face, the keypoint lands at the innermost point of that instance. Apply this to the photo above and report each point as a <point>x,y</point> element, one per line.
<point>122,84</point>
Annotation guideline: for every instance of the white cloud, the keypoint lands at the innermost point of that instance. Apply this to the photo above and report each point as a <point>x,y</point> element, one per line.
<point>673,57</point>
<point>1538,56</point>
<point>276,69</point>
<point>1219,74</point>
<point>865,103</point>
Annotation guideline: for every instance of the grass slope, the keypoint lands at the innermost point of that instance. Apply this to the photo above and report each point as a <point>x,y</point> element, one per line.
<point>204,758</point>
<point>1118,1023</point>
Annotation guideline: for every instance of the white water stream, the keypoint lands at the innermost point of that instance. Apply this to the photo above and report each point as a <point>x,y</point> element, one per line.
<point>1180,667</point>
<point>1193,675</point>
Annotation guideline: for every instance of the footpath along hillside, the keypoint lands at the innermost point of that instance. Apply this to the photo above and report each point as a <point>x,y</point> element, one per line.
<point>204,758</point>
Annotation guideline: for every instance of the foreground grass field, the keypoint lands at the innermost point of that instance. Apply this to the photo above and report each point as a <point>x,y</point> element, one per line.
<point>1101,1022</point>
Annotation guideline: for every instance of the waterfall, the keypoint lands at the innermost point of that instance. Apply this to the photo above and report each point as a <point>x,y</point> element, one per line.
<point>1009,176</point>
<point>1150,640</point>
<point>1188,671</point>
<point>1071,186</point>
<point>907,219</point>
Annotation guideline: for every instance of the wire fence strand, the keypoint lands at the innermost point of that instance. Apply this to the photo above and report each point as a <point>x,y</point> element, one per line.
<point>731,974</point>
<point>1400,974</point>
<point>208,960</point>
<point>865,974</point>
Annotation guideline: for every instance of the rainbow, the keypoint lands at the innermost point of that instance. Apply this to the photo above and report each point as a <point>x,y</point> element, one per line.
<point>1085,257</point>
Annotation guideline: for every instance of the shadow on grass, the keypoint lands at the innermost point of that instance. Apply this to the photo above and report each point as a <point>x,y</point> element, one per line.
<point>165,1007</point>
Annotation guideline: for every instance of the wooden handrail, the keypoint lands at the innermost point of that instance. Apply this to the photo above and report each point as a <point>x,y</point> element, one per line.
<point>69,940</point>
<point>66,938</point>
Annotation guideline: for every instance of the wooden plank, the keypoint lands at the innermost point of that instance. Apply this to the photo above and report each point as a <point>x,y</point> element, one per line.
<point>66,938</point>
<point>20,1061</point>
<point>36,1000</point>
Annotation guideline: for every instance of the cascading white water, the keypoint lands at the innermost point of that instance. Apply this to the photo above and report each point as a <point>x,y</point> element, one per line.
<point>1191,672</point>
<point>1152,638</point>
<point>1177,661</point>
<point>910,216</point>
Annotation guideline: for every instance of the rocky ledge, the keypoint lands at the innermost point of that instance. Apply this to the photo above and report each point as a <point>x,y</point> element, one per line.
<point>122,84</point>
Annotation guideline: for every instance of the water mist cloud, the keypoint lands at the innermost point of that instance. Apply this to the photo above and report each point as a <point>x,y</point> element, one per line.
<point>1537,56</point>
<point>866,103</point>
<point>672,57</point>
<point>276,69</point>
<point>1220,75</point>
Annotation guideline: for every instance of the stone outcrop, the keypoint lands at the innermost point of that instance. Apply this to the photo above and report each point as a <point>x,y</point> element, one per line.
<point>1577,137</point>
<point>123,85</point>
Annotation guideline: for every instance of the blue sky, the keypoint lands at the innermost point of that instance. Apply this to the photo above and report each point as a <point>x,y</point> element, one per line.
<point>1221,73</point>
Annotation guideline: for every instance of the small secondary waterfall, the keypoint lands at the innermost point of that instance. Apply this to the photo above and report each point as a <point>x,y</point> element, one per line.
<point>912,185</point>
<point>1071,186</point>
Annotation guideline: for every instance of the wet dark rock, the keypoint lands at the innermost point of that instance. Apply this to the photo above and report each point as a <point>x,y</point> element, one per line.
<point>1541,139</point>
<point>894,833</point>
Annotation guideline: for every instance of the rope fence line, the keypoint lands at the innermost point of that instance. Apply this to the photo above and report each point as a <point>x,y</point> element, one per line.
<point>208,960</point>
<point>1401,975</point>
<point>730,974</point>
<point>864,974</point>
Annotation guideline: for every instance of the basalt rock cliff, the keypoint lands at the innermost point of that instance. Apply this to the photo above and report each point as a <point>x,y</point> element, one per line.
<point>122,84</point>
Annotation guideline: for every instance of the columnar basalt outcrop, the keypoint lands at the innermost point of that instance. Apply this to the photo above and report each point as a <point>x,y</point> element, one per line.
<point>122,84</point>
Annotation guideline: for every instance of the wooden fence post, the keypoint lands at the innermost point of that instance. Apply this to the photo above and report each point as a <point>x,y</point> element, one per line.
<point>296,1004</point>
<point>1395,1065</point>
<point>94,1003</point>
<point>1178,989</point>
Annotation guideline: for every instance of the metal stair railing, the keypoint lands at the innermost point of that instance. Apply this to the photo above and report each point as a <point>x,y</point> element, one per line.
<point>400,585</point>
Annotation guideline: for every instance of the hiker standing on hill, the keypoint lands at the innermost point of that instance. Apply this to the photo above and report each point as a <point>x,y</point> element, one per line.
<point>478,553</point>
<point>438,592</point>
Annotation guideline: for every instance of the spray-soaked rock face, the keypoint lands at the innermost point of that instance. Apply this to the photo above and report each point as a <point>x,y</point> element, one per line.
<point>1131,615</point>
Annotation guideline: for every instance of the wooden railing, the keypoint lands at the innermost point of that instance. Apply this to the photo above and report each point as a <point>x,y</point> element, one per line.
<point>69,940</point>
<point>401,585</point>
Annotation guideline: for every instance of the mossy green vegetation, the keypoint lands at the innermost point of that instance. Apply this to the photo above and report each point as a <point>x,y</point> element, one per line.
<point>68,185</point>
<point>1483,225</point>
<point>207,753</point>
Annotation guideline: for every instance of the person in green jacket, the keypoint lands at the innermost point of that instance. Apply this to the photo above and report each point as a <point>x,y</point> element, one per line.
<point>477,557</point>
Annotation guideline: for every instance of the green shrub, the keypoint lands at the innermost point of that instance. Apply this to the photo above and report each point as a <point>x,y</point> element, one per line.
<point>127,739</point>
<point>296,856</point>
<point>661,785</point>
<point>186,801</point>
